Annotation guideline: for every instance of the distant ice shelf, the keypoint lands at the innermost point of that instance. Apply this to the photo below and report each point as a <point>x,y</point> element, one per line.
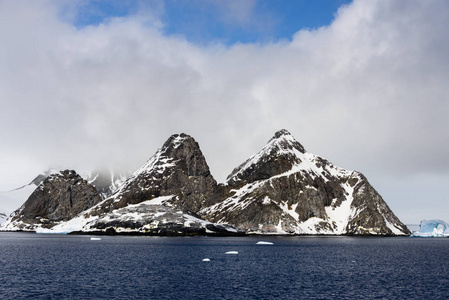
<point>432,228</point>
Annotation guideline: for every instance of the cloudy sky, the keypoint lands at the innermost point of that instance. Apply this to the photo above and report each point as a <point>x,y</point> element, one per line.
<point>364,84</point>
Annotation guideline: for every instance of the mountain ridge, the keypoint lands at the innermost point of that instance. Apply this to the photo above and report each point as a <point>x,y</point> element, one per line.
<point>281,189</point>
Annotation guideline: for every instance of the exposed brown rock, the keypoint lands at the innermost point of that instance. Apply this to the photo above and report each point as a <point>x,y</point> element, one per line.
<point>60,197</point>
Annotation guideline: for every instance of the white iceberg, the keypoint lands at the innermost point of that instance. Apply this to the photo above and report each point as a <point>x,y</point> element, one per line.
<point>232,252</point>
<point>206,259</point>
<point>432,228</point>
<point>264,243</point>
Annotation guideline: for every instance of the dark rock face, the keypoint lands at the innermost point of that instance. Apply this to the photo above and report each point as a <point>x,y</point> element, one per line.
<point>179,169</point>
<point>277,157</point>
<point>284,189</point>
<point>60,197</point>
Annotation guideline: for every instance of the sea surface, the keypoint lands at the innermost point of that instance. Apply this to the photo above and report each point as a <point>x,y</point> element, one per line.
<point>38,266</point>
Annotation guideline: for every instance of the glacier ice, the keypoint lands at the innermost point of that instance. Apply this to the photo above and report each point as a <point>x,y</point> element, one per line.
<point>432,228</point>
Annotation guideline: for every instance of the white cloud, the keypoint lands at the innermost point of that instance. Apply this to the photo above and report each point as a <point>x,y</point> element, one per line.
<point>367,92</point>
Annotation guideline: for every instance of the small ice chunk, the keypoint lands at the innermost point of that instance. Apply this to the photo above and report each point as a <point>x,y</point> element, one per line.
<point>206,259</point>
<point>232,252</point>
<point>264,243</point>
<point>95,239</point>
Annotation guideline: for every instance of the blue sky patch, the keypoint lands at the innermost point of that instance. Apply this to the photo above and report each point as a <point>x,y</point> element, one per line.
<point>228,22</point>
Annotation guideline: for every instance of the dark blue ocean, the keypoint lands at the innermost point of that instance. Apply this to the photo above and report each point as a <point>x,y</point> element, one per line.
<point>34,266</point>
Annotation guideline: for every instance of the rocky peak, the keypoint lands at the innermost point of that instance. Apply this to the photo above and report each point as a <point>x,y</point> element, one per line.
<point>183,149</point>
<point>177,169</point>
<point>279,155</point>
<point>284,141</point>
<point>60,197</point>
<point>284,189</point>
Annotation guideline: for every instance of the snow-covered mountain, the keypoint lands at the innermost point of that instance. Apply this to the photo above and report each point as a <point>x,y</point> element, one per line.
<point>161,197</point>
<point>284,189</point>
<point>178,168</point>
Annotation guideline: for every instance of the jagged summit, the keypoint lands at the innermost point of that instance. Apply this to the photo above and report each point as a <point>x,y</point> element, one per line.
<point>178,149</point>
<point>279,155</point>
<point>280,133</point>
<point>177,139</point>
<point>177,169</point>
<point>283,140</point>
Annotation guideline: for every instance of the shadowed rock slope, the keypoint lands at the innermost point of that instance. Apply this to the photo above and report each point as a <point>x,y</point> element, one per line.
<point>58,198</point>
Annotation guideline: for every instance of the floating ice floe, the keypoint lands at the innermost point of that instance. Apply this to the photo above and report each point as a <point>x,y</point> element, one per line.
<point>49,231</point>
<point>264,243</point>
<point>432,228</point>
<point>232,252</point>
<point>206,259</point>
<point>95,239</point>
